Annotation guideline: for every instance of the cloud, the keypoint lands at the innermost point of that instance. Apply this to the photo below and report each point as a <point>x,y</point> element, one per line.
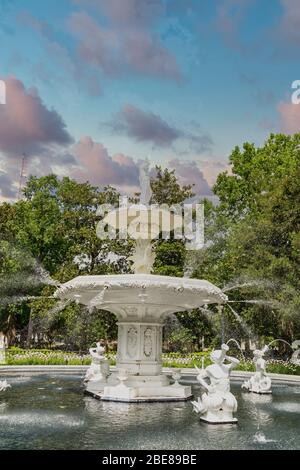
<point>101,169</point>
<point>188,172</point>
<point>148,127</point>
<point>26,124</point>
<point>290,22</point>
<point>6,190</point>
<point>128,13</point>
<point>126,43</point>
<point>144,126</point>
<point>57,51</point>
<point>212,168</point>
<point>289,117</point>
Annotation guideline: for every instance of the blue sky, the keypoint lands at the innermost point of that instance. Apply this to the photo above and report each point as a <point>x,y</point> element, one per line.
<point>104,83</point>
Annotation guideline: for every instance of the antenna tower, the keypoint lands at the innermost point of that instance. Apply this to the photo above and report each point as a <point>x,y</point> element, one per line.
<point>23,173</point>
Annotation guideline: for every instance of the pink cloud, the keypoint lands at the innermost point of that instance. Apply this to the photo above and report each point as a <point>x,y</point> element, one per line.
<point>98,167</point>
<point>26,124</point>
<point>188,172</point>
<point>123,46</point>
<point>127,13</point>
<point>212,168</point>
<point>289,117</point>
<point>290,21</point>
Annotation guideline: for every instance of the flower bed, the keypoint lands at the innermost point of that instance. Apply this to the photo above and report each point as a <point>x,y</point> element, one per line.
<point>18,356</point>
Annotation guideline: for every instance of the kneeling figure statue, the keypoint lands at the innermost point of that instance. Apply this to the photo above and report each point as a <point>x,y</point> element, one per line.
<point>259,382</point>
<point>218,404</point>
<point>99,369</point>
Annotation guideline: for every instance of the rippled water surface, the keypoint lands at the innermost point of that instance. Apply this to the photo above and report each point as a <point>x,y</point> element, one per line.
<point>52,412</point>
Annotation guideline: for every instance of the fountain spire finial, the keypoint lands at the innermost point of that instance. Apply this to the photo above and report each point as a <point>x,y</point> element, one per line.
<point>145,182</point>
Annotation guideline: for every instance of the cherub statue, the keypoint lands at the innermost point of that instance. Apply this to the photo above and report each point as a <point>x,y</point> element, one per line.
<point>4,385</point>
<point>259,382</point>
<point>98,369</point>
<point>295,359</point>
<point>218,404</point>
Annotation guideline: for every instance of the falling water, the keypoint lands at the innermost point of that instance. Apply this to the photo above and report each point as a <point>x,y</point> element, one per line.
<point>241,321</point>
<point>282,341</point>
<point>233,340</point>
<point>256,302</point>
<point>59,307</point>
<point>4,301</point>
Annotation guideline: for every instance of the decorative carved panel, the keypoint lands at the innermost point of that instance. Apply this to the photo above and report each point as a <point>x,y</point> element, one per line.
<point>132,338</point>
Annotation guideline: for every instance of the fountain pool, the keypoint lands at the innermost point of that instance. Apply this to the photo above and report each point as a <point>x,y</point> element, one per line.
<point>52,412</point>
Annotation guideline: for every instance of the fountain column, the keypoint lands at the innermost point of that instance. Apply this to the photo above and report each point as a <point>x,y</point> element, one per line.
<point>140,347</point>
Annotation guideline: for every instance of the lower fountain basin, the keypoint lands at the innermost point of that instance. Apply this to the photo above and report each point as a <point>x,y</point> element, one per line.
<point>50,411</point>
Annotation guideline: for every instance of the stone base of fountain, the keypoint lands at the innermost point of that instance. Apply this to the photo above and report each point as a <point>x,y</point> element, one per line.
<point>214,418</point>
<point>139,389</point>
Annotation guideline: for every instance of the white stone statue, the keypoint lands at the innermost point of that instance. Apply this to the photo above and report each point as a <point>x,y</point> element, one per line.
<point>2,348</point>
<point>145,182</point>
<point>4,385</point>
<point>99,369</point>
<point>218,404</point>
<point>259,382</point>
<point>295,359</point>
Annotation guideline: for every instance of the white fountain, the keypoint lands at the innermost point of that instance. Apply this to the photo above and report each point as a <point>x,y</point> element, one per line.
<point>140,301</point>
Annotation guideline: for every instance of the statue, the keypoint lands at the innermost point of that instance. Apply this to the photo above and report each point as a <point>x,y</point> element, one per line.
<point>4,385</point>
<point>145,182</point>
<point>259,382</point>
<point>218,404</point>
<point>295,359</point>
<point>2,348</point>
<point>99,369</point>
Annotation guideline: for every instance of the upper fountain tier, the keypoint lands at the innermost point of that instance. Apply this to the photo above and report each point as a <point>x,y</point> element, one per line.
<point>142,295</point>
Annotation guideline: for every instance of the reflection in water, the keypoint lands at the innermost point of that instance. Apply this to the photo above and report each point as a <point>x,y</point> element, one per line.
<point>260,438</point>
<point>39,419</point>
<point>290,407</point>
<point>52,412</point>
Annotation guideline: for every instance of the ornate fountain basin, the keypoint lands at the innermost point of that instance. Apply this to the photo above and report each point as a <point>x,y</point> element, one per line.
<point>131,295</point>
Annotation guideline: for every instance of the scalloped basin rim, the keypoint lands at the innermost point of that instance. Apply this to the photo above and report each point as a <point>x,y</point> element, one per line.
<point>163,285</point>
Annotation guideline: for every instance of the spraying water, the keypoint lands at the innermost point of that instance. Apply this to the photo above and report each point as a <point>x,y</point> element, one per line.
<point>241,321</point>
<point>255,302</point>
<point>252,283</point>
<point>282,341</point>
<point>233,340</point>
